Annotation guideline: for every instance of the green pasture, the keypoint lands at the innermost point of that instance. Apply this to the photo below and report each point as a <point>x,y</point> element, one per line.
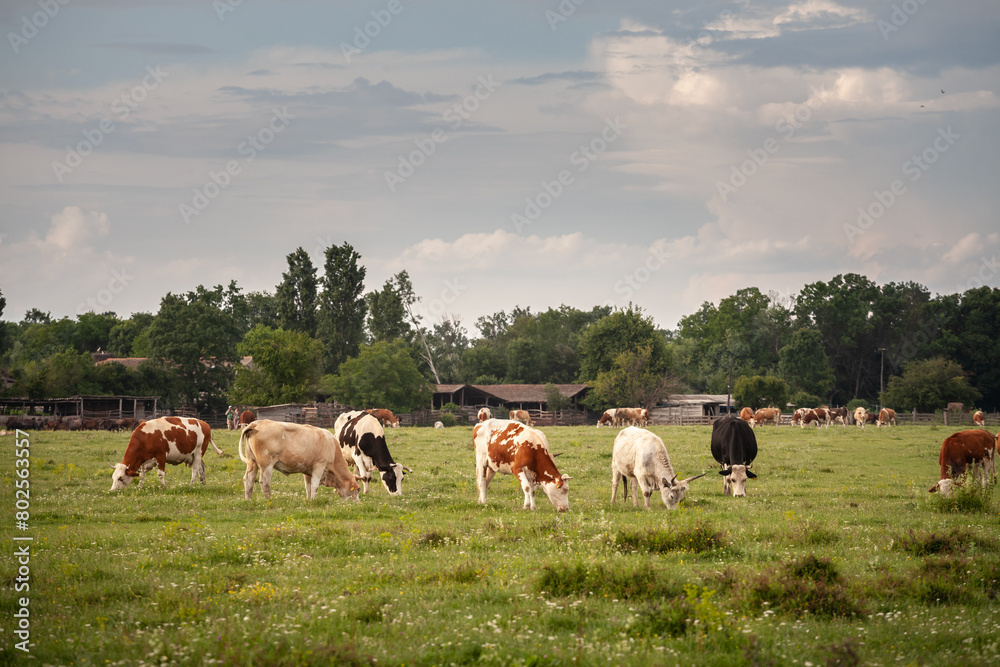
<point>837,556</point>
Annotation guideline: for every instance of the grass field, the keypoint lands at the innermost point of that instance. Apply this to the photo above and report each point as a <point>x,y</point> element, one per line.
<point>837,556</point>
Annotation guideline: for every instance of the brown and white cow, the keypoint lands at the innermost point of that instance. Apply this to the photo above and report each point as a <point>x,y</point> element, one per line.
<point>631,417</point>
<point>385,417</point>
<point>608,418</point>
<point>766,415</point>
<point>978,418</point>
<point>363,436</point>
<point>294,448</point>
<point>641,456</point>
<point>961,450</point>
<point>515,449</point>
<point>839,415</point>
<point>886,416</point>
<point>521,416</point>
<point>746,414</point>
<point>860,417</point>
<point>157,442</point>
<point>484,414</point>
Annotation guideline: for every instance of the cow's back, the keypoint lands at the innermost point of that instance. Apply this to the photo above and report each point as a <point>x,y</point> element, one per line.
<point>733,439</point>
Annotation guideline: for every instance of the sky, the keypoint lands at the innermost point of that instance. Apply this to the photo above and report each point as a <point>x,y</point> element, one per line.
<point>503,152</point>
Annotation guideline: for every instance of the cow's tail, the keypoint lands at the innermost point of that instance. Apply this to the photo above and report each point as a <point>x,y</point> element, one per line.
<point>239,446</point>
<point>215,447</point>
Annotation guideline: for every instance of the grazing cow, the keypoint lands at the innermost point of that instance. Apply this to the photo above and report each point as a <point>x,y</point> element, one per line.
<point>978,418</point>
<point>962,449</point>
<point>246,417</point>
<point>630,417</point>
<point>128,424</point>
<point>165,440</point>
<point>521,416</point>
<point>810,417</point>
<point>608,418</point>
<point>839,415</point>
<point>734,446</point>
<point>766,415</point>
<point>484,414</point>
<point>746,414</point>
<point>438,424</point>
<point>338,426</point>
<point>385,417</point>
<point>364,436</point>
<point>860,417</point>
<point>798,415</point>
<point>515,449</point>
<point>642,457</point>
<point>294,448</point>
<point>886,416</point>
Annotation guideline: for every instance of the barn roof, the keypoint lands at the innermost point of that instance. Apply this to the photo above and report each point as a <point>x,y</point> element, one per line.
<point>528,393</point>
<point>695,399</point>
<point>128,362</point>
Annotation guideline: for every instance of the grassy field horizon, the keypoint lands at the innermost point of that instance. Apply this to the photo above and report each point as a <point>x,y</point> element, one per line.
<point>838,555</point>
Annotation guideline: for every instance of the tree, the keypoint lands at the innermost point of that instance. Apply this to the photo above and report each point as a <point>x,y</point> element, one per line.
<point>634,379</point>
<point>387,318</point>
<point>341,318</point>
<point>285,367</point>
<point>554,400</point>
<point>976,343</point>
<point>625,330</point>
<point>929,385</point>
<point>448,344</point>
<point>123,335</point>
<point>760,392</point>
<point>195,337</point>
<point>383,375</point>
<point>804,365</point>
<point>93,331</point>
<point>295,297</point>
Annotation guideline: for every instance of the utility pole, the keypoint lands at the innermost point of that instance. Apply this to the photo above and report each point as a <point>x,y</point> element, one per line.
<point>729,389</point>
<point>881,378</point>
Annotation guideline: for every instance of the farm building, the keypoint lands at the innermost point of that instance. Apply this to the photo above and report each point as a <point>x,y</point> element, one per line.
<point>691,405</point>
<point>101,407</point>
<point>519,396</point>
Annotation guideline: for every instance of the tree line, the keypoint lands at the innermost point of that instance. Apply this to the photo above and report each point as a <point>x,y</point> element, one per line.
<point>847,339</point>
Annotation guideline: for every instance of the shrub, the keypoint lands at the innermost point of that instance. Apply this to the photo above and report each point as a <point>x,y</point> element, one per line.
<point>697,539</point>
<point>448,419</point>
<point>562,580</point>
<point>809,585</point>
<point>968,497</point>
<point>924,544</point>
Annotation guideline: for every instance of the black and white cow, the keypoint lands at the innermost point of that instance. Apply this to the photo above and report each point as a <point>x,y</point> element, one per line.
<point>364,437</point>
<point>734,446</point>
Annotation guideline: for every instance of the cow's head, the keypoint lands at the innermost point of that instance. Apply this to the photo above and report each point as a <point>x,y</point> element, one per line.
<point>558,492</point>
<point>392,478</point>
<point>345,486</point>
<point>945,487</point>
<point>672,491</point>
<point>121,476</point>
<point>734,480</point>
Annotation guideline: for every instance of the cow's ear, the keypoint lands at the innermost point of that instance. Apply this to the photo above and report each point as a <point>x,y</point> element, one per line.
<point>750,474</point>
<point>567,477</point>
<point>725,472</point>
<point>933,489</point>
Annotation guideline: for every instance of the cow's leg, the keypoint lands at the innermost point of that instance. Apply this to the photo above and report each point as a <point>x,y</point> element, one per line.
<point>616,478</point>
<point>161,469</point>
<point>316,478</point>
<point>249,478</point>
<point>635,490</point>
<point>487,477</point>
<point>529,491</point>
<point>265,480</point>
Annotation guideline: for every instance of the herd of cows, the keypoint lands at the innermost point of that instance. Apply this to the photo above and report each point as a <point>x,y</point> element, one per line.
<point>509,446</point>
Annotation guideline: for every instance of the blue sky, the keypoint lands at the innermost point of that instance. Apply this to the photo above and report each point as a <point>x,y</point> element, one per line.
<point>503,152</point>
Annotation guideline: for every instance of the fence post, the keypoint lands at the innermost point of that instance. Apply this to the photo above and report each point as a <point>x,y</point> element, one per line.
<point>945,413</point>
<point>914,416</point>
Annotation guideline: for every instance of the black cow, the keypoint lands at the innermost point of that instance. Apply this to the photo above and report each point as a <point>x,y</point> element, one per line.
<point>734,446</point>
<point>364,437</point>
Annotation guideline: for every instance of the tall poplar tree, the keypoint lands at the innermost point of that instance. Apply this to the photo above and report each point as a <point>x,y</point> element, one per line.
<point>296,295</point>
<point>341,317</point>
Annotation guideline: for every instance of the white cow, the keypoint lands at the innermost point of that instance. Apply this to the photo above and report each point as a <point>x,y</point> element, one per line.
<point>294,448</point>
<point>641,456</point>
<point>860,417</point>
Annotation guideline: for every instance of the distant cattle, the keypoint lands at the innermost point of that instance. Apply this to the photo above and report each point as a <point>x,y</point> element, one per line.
<point>631,417</point>
<point>978,418</point>
<point>961,450</point>
<point>746,414</point>
<point>734,446</point>
<point>438,424</point>
<point>290,449</point>
<point>766,415</point>
<point>813,417</point>
<point>860,417</point>
<point>160,441</point>
<point>246,417</point>
<point>515,449</point>
<point>521,416</point>
<point>385,417</point>
<point>839,415</point>
<point>641,456</point>
<point>886,417</point>
<point>484,414</point>
<point>608,418</point>
<point>364,437</point>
